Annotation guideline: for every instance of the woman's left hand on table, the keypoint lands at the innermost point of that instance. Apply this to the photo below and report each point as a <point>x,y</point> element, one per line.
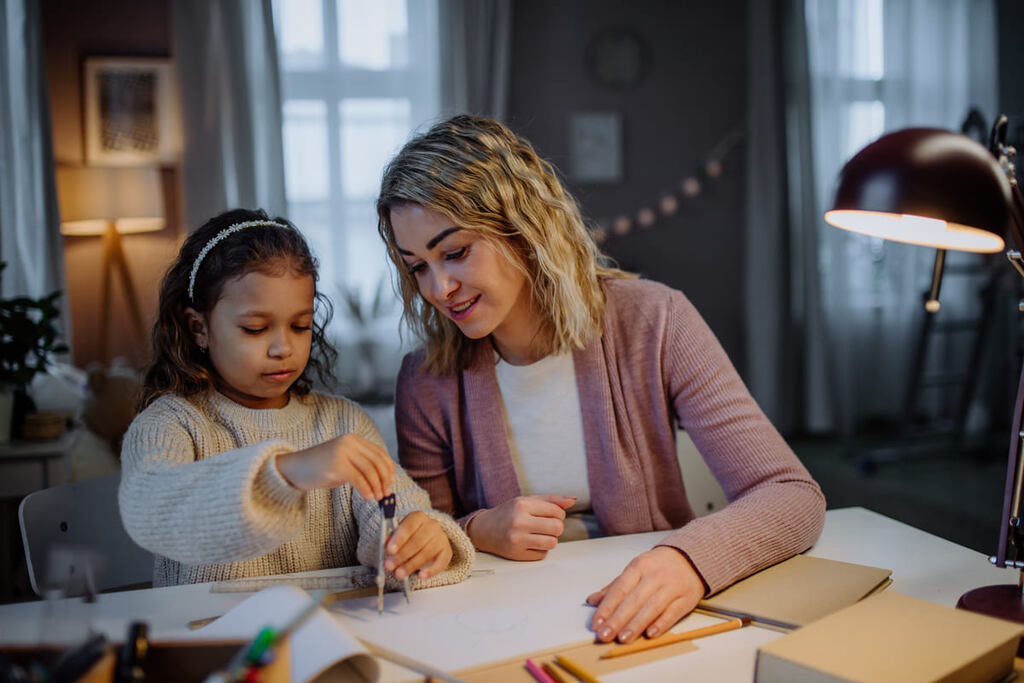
<point>653,592</point>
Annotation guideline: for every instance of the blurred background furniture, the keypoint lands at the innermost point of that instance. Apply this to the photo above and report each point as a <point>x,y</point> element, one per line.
<point>75,530</point>
<point>110,202</point>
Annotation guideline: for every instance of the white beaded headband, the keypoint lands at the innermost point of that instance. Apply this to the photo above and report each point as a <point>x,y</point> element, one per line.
<point>216,239</point>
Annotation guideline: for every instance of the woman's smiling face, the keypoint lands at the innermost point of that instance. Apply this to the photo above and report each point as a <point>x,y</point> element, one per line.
<point>465,277</point>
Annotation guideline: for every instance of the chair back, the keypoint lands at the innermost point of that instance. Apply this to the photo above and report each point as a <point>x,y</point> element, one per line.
<point>75,541</point>
<point>702,489</point>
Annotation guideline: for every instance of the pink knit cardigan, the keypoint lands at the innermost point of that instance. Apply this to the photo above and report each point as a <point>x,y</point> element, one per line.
<point>656,365</point>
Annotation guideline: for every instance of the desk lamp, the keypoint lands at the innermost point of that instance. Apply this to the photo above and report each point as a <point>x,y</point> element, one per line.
<point>944,190</point>
<point>111,201</point>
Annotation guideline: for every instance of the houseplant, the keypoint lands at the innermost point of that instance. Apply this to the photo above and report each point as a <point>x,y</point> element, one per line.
<point>368,385</point>
<point>28,338</point>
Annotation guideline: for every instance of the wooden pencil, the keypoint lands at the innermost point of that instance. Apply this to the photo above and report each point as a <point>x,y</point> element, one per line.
<point>553,671</point>
<point>576,670</point>
<point>539,674</point>
<point>669,638</point>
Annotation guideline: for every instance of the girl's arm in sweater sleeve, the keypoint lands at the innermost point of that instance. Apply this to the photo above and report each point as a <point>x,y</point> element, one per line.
<point>409,497</point>
<point>229,507</point>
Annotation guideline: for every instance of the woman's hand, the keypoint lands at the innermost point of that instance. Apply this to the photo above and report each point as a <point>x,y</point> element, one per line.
<point>654,591</point>
<point>419,543</point>
<point>344,459</point>
<point>524,528</point>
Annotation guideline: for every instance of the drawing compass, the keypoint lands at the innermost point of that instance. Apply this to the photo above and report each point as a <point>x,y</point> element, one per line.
<point>387,527</point>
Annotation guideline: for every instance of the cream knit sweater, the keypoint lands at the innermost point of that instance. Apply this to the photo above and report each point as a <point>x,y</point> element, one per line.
<point>199,488</point>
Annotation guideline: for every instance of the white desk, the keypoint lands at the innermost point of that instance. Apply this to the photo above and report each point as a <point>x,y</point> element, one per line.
<point>526,606</point>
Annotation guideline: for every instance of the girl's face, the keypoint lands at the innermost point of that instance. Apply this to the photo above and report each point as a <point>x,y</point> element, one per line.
<point>466,278</point>
<point>258,336</point>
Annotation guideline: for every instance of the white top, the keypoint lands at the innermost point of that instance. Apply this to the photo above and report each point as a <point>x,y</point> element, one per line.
<point>545,432</point>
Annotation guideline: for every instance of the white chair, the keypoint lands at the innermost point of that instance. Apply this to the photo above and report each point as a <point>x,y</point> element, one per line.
<point>75,542</point>
<point>702,489</point>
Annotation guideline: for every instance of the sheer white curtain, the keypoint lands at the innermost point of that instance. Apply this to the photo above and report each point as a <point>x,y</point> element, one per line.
<point>787,343</point>
<point>231,104</point>
<point>358,79</point>
<point>878,66</point>
<point>30,241</point>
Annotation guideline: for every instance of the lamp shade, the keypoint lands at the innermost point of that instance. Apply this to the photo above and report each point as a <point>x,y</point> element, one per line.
<point>925,186</point>
<point>93,197</point>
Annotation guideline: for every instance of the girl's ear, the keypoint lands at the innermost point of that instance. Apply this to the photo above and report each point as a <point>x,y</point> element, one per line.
<point>196,324</point>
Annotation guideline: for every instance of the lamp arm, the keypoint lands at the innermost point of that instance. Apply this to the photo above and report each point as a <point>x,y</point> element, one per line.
<point>1010,530</point>
<point>1011,533</point>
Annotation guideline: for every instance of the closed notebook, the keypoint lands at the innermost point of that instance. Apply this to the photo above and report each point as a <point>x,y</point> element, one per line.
<point>893,638</point>
<point>798,591</point>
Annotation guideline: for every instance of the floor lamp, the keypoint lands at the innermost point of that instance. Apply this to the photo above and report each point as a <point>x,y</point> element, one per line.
<point>110,202</point>
<point>944,190</point>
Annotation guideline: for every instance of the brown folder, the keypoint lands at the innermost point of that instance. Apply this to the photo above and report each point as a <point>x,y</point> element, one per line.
<point>798,591</point>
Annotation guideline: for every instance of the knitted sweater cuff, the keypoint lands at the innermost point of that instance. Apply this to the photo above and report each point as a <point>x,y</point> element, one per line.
<point>269,484</point>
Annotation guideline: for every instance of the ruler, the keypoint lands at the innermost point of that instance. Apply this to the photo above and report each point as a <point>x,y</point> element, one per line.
<point>352,577</point>
<point>349,578</point>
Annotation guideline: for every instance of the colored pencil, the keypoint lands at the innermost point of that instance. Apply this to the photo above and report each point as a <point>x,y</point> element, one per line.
<point>575,669</point>
<point>555,674</point>
<point>537,672</point>
<point>669,638</point>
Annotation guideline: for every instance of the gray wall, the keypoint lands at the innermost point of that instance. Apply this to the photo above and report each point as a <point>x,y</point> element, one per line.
<point>692,96</point>
<point>1010,18</point>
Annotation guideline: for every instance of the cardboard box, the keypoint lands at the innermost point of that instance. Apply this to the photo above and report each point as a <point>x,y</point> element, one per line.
<point>892,637</point>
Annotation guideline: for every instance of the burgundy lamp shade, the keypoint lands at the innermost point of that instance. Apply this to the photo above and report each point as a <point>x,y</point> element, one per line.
<point>925,186</point>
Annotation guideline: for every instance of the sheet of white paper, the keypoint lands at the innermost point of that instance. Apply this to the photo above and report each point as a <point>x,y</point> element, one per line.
<point>520,608</point>
<point>316,644</point>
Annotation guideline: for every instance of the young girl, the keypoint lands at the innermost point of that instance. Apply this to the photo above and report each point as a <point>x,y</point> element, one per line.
<point>234,467</point>
<point>549,382</point>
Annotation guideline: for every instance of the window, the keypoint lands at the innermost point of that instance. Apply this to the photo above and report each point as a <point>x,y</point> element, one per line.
<point>853,68</point>
<point>356,83</point>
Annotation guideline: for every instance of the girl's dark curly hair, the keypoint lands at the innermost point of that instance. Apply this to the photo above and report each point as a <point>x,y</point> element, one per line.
<point>179,366</point>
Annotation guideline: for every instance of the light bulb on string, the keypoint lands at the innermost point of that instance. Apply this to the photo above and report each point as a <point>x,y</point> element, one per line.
<point>690,187</point>
<point>669,205</point>
<point>645,217</point>
<point>622,226</point>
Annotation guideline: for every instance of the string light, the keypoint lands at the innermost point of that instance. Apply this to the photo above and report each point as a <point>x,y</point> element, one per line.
<point>622,226</point>
<point>689,187</point>
<point>645,217</point>
<point>669,205</point>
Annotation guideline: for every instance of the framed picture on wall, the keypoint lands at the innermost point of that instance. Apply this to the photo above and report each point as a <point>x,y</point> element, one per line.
<point>130,111</point>
<point>595,147</point>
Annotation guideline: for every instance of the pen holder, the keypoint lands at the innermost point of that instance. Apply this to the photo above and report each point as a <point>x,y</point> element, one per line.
<point>166,661</point>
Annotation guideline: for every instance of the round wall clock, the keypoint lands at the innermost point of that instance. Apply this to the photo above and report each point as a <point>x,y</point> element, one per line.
<point>617,58</point>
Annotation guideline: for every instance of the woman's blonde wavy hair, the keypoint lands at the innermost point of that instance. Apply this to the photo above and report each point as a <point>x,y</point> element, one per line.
<point>485,178</point>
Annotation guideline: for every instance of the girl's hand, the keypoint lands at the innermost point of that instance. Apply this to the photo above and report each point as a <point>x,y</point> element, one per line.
<point>524,528</point>
<point>344,459</point>
<point>419,543</point>
<point>654,591</point>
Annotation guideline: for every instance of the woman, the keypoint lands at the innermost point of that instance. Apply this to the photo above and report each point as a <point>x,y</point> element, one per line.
<point>551,383</point>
